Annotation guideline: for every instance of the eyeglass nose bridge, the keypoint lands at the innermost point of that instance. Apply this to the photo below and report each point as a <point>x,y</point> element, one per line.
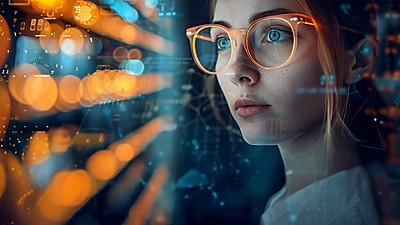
<point>237,34</point>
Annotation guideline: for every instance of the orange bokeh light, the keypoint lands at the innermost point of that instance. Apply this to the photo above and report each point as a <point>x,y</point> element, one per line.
<point>124,85</point>
<point>124,152</point>
<point>102,165</point>
<point>70,89</point>
<point>17,80</point>
<point>89,95</point>
<point>49,39</point>
<point>129,34</point>
<point>70,188</point>
<point>108,81</point>
<point>135,53</point>
<point>86,13</point>
<point>50,8</point>
<point>72,41</point>
<point>120,54</point>
<point>98,85</point>
<point>95,85</point>
<point>40,92</point>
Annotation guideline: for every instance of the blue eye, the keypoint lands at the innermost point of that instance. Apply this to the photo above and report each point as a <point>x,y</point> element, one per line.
<point>276,36</point>
<point>223,43</point>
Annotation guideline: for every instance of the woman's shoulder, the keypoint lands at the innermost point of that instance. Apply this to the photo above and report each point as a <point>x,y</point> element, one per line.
<point>328,201</point>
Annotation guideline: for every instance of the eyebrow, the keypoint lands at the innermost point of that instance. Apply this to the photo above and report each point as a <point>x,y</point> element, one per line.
<point>256,16</point>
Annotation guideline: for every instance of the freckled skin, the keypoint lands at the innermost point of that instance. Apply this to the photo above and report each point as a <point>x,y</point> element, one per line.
<point>291,114</point>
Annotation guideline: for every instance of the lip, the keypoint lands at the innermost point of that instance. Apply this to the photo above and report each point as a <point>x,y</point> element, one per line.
<point>245,107</point>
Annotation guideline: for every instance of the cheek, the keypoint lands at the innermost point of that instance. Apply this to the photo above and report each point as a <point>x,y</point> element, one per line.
<point>298,91</point>
<point>305,98</point>
<point>226,85</point>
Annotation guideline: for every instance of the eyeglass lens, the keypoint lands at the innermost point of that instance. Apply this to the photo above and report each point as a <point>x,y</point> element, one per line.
<point>270,44</point>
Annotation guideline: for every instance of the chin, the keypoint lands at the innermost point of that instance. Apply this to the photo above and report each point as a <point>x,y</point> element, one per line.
<point>265,139</point>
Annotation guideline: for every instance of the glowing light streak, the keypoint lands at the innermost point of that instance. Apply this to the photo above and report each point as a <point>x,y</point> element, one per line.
<point>126,184</point>
<point>18,193</point>
<point>5,108</point>
<point>41,93</point>
<point>141,208</point>
<point>70,188</point>
<point>121,30</point>
<point>48,211</point>
<point>3,180</point>
<point>5,40</point>
<point>41,75</point>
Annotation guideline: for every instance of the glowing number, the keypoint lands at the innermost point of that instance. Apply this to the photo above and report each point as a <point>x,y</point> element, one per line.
<point>40,25</point>
<point>47,26</point>
<point>33,25</point>
<point>36,25</point>
<point>22,26</point>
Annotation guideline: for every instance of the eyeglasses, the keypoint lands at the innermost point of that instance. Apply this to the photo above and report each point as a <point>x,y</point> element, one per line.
<point>270,42</point>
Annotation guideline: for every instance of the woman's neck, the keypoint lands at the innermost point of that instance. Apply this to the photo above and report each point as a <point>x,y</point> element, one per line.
<point>308,159</point>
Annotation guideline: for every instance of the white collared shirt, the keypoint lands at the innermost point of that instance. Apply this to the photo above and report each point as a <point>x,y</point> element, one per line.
<point>344,198</point>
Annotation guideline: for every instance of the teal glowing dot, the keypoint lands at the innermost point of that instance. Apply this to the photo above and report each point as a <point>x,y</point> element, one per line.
<point>292,218</point>
<point>134,66</point>
<point>366,50</point>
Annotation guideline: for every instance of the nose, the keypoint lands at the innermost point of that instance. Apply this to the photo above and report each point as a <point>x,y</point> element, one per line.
<point>242,70</point>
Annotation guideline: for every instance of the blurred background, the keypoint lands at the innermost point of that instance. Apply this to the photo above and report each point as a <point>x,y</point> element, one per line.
<point>105,119</point>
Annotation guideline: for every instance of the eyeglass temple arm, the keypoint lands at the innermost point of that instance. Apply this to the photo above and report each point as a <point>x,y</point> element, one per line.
<point>191,34</point>
<point>308,23</point>
<point>201,37</point>
<point>303,21</point>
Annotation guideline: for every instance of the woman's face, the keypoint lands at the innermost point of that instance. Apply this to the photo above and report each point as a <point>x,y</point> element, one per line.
<point>271,106</point>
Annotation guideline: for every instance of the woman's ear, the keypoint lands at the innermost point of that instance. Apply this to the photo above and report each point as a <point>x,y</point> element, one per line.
<point>363,60</point>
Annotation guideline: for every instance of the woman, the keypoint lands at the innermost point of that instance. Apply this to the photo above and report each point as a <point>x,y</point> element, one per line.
<point>286,68</point>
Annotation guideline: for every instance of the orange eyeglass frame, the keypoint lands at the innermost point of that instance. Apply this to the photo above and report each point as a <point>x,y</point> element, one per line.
<point>292,19</point>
